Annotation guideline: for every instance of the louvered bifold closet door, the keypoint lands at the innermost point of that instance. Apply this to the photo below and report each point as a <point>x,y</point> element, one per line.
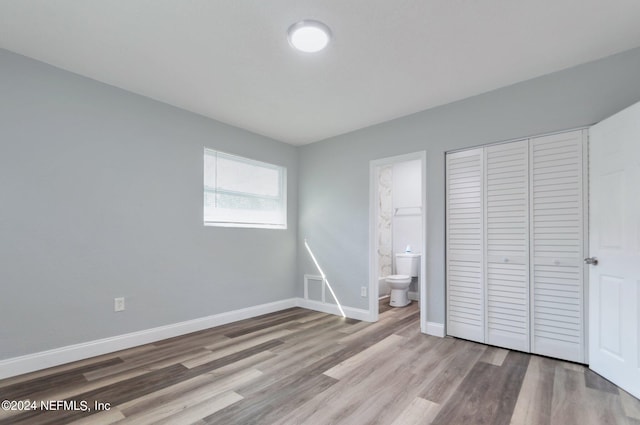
<point>557,246</point>
<point>465,291</point>
<point>507,245</point>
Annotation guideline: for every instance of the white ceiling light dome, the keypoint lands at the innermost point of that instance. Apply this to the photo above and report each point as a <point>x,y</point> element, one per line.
<point>309,36</point>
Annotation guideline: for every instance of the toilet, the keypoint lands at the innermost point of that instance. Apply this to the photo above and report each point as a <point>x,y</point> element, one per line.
<point>406,267</point>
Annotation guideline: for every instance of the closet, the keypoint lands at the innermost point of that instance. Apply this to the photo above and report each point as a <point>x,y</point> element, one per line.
<point>515,224</point>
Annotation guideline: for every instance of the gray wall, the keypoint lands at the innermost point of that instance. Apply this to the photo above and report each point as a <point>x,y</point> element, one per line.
<point>334,173</point>
<point>101,196</point>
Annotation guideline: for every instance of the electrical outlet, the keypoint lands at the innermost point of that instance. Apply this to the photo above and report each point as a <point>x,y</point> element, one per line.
<point>363,291</point>
<point>118,304</point>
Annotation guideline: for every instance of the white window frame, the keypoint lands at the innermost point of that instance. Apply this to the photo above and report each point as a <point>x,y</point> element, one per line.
<point>224,219</point>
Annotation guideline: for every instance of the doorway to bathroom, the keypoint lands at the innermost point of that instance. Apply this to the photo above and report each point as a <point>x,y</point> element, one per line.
<point>397,220</point>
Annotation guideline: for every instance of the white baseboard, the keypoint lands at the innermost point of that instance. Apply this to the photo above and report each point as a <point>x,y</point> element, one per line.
<point>350,312</point>
<point>57,356</point>
<point>435,329</point>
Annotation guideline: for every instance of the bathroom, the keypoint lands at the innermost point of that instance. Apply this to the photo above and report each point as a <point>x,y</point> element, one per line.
<point>399,223</point>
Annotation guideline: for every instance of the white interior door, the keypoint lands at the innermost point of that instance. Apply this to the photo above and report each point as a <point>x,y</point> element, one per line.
<point>614,233</point>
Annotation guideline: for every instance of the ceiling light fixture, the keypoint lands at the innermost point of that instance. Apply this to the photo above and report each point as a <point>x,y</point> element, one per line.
<point>309,36</point>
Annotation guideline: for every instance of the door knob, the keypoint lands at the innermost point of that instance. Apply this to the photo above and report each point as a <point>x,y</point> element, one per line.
<point>591,260</point>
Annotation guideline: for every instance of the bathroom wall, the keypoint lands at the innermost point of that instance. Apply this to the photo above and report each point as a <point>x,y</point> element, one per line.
<point>101,197</point>
<point>385,216</point>
<point>407,198</point>
<point>407,217</point>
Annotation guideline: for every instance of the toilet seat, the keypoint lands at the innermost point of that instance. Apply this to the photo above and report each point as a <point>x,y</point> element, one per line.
<point>398,278</point>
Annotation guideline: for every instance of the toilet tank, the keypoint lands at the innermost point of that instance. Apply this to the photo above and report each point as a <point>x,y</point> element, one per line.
<point>407,264</point>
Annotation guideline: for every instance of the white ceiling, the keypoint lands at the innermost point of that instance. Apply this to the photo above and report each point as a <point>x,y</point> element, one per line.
<point>230,60</point>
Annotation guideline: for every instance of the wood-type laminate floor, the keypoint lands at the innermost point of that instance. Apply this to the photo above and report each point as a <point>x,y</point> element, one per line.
<point>303,367</point>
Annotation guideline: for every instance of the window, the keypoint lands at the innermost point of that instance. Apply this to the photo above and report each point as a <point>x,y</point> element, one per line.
<point>241,192</point>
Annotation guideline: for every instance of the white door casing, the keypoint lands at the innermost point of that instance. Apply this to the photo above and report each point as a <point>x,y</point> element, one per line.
<point>374,200</point>
<point>614,234</point>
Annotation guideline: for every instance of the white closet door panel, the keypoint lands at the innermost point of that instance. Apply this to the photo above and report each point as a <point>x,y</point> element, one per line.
<point>557,246</point>
<point>507,245</point>
<point>465,245</point>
